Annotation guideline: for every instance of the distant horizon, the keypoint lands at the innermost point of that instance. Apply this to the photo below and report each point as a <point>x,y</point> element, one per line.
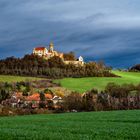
<point>95,29</point>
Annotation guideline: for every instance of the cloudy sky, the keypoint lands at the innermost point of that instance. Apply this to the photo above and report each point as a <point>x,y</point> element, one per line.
<point>106,30</point>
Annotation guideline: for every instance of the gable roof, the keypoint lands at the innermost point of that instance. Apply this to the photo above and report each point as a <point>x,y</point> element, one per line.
<point>48,96</point>
<point>40,48</point>
<point>35,97</point>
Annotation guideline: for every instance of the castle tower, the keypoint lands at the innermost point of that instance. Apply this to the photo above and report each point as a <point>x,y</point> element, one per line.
<point>51,47</point>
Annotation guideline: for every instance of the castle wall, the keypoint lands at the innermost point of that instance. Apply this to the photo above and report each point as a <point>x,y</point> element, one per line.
<point>74,62</point>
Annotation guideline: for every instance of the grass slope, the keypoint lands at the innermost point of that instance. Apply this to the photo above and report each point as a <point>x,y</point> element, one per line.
<point>83,84</point>
<point>7,78</point>
<point>72,126</point>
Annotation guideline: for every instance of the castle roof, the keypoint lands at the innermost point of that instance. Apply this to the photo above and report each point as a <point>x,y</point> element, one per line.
<point>40,48</point>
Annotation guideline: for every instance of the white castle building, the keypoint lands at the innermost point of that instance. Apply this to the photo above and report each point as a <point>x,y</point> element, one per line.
<point>50,52</point>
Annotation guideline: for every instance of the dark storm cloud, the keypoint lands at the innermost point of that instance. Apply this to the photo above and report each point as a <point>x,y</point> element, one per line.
<point>93,28</point>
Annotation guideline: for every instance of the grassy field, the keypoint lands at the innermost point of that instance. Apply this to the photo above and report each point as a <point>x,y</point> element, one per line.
<point>83,84</point>
<point>112,125</point>
<point>7,78</point>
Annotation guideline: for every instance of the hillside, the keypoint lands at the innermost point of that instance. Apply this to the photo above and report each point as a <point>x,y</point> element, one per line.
<point>54,67</point>
<point>84,84</point>
<point>73,126</point>
<point>89,82</point>
<point>9,78</point>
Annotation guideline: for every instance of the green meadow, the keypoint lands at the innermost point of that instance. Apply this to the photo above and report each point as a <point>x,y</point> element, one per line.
<point>114,125</point>
<point>9,78</point>
<point>83,84</point>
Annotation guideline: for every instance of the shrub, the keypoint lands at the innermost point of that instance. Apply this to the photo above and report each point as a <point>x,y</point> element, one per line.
<point>89,100</point>
<point>117,91</point>
<point>73,102</point>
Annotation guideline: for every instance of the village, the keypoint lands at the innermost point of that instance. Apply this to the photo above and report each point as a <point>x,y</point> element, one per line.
<point>33,101</point>
<point>33,95</point>
<point>43,96</point>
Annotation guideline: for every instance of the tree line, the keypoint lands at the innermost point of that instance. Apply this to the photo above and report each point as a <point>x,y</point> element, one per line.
<point>33,65</point>
<point>135,68</point>
<point>114,97</point>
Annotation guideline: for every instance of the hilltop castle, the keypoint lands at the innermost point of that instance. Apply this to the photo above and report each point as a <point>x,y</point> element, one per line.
<point>47,53</point>
<point>50,52</point>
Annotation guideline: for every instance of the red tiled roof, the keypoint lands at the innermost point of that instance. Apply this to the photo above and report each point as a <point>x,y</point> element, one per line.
<point>35,97</point>
<point>48,96</point>
<point>39,48</point>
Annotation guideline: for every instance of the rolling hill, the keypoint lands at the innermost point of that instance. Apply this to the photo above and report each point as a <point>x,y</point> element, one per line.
<point>83,84</point>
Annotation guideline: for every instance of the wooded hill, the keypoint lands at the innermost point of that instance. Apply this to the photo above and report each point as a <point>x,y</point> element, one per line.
<point>32,65</point>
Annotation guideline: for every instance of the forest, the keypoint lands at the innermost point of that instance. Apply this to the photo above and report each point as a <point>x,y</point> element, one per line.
<point>32,65</point>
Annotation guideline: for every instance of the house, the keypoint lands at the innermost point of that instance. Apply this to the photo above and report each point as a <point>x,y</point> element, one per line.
<point>15,100</point>
<point>56,99</point>
<point>34,99</point>
<point>80,61</point>
<point>41,51</point>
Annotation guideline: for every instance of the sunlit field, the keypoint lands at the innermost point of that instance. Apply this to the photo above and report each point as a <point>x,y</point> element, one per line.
<point>83,84</point>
